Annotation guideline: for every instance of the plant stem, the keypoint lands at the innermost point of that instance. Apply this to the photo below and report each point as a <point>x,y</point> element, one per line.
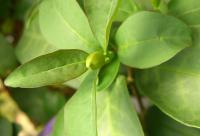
<point>136,94</point>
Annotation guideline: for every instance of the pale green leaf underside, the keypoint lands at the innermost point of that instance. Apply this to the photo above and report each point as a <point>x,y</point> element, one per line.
<point>100,14</point>
<point>147,39</point>
<point>64,24</point>
<point>159,124</point>
<point>174,86</point>
<point>8,60</point>
<point>56,67</point>
<point>108,74</point>
<point>80,111</point>
<point>32,43</point>
<point>116,116</point>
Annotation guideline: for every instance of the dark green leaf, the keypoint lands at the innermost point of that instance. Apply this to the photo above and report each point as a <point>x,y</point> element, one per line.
<point>116,116</point>
<point>80,111</point>
<point>159,124</point>
<point>66,26</point>
<point>100,14</point>
<point>6,128</point>
<point>53,68</point>
<point>39,104</point>
<point>7,57</point>
<point>148,39</point>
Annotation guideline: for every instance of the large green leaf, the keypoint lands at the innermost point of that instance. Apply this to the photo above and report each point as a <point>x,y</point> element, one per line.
<point>187,10</point>
<point>101,14</point>
<point>39,104</point>
<point>174,86</point>
<point>7,57</point>
<point>159,124</point>
<point>148,39</point>
<point>53,68</point>
<point>116,116</point>
<point>80,111</point>
<point>32,43</point>
<point>108,74</point>
<point>65,25</point>
<point>58,127</point>
<point>126,8</point>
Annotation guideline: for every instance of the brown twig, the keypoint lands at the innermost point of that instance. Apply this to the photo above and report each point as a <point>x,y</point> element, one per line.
<point>136,94</point>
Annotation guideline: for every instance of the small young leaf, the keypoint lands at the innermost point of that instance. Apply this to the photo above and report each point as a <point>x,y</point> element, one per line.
<point>65,25</point>
<point>159,124</point>
<point>108,74</point>
<point>8,60</point>
<point>100,14</point>
<point>80,111</point>
<point>147,39</point>
<point>53,68</point>
<point>116,116</point>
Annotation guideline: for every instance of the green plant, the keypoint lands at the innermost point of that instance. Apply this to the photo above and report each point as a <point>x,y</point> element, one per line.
<point>150,46</point>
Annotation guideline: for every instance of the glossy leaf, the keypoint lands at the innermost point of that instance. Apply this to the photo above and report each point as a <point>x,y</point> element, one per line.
<point>100,14</point>
<point>159,124</point>
<point>108,74</point>
<point>80,111</point>
<point>174,86</point>
<point>62,27</point>
<point>53,68</point>
<point>7,57</point>
<point>142,44</point>
<point>126,9</point>
<point>116,116</point>
<point>32,43</point>
<point>39,104</point>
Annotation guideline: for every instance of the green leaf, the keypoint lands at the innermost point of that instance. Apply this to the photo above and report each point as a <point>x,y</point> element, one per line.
<point>187,10</point>
<point>80,111</point>
<point>53,68</point>
<point>147,39</point>
<point>75,83</point>
<point>174,86</point>
<point>32,43</point>
<point>116,116</point>
<point>6,128</point>
<point>159,124</point>
<point>58,127</point>
<point>39,104</point>
<point>100,14</point>
<point>65,25</point>
<point>108,74</point>
<point>126,8</point>
<point>7,57</point>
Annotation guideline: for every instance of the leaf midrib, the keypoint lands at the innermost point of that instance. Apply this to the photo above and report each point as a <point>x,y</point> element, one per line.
<point>49,70</point>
